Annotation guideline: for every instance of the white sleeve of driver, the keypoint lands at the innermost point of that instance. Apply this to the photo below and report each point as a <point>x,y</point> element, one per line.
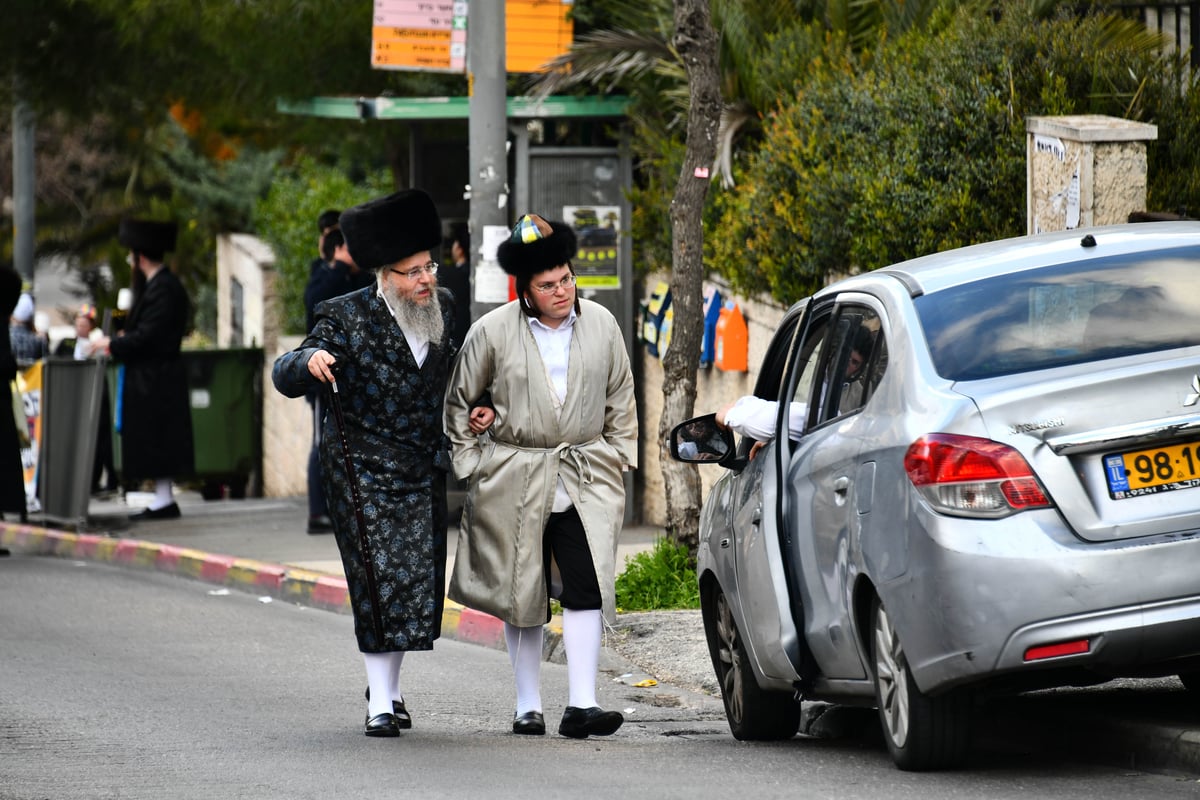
<point>754,417</point>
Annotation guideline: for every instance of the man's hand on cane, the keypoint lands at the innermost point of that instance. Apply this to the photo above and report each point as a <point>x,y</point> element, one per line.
<point>320,366</point>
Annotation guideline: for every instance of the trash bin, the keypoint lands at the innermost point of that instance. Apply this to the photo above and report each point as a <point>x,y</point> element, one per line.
<point>226,397</point>
<point>225,392</point>
<point>70,410</point>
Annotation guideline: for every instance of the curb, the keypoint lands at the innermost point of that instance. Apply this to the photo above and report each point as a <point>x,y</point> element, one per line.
<point>292,584</point>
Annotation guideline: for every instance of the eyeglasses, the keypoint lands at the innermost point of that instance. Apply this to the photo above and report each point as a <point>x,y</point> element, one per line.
<point>550,288</point>
<point>415,273</point>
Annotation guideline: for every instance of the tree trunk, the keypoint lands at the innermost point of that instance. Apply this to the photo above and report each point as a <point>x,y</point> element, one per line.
<point>697,45</point>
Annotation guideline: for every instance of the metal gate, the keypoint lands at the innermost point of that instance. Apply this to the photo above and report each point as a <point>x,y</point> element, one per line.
<point>587,187</point>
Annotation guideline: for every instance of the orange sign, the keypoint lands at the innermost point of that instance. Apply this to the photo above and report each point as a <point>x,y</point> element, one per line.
<point>535,32</point>
<point>432,34</point>
<point>420,35</point>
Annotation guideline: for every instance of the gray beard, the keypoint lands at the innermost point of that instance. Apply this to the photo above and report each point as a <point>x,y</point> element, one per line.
<point>422,321</point>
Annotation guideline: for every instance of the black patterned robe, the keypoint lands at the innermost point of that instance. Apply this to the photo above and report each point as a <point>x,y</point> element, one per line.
<point>399,454</point>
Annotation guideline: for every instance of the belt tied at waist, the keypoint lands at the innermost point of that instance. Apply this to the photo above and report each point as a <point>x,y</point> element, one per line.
<point>565,452</point>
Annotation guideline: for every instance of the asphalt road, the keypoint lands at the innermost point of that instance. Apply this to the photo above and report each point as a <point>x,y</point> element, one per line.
<point>117,683</point>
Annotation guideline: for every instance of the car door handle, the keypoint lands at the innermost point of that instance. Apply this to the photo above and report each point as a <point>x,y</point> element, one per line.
<point>840,487</point>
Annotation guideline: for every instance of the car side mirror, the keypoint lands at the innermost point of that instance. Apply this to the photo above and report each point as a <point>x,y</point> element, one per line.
<point>701,441</point>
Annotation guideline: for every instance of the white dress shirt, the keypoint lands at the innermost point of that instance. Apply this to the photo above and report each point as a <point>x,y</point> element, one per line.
<point>555,346</point>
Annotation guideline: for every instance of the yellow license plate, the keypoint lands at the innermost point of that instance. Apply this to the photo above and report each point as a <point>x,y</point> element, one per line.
<point>1157,469</point>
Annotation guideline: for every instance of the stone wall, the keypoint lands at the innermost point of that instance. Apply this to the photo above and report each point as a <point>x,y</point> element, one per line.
<point>287,432</point>
<point>248,316</point>
<point>714,388</point>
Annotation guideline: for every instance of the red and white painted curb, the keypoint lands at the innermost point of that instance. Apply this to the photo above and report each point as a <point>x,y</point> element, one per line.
<point>301,586</point>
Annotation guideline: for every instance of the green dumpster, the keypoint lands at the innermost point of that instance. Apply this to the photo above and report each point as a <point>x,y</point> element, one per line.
<point>225,389</point>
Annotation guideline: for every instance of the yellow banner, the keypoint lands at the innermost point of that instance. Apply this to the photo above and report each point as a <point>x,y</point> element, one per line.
<point>29,384</point>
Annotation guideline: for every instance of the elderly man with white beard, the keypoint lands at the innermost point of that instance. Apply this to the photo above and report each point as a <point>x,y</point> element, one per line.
<point>388,346</point>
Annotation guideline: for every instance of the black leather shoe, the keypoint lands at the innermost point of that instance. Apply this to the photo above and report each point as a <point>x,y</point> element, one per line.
<point>580,723</point>
<point>530,723</point>
<point>166,512</point>
<point>321,524</point>
<point>403,720</point>
<point>382,725</point>
<point>398,711</point>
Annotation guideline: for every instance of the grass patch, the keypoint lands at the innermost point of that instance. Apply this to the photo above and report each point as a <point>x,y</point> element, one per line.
<point>662,578</point>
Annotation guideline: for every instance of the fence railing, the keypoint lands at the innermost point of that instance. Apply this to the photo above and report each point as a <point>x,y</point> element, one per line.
<point>1180,21</point>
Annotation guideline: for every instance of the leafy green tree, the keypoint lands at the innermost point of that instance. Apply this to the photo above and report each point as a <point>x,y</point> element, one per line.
<point>101,76</point>
<point>286,219</point>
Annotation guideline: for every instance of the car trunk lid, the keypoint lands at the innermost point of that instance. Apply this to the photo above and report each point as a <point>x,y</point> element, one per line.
<point>1115,443</point>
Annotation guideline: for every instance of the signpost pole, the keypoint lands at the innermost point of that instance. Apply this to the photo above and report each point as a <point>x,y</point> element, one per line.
<point>487,134</point>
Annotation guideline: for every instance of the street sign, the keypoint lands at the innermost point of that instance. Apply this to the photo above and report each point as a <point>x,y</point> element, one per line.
<point>420,35</point>
<point>535,32</point>
<point>432,34</point>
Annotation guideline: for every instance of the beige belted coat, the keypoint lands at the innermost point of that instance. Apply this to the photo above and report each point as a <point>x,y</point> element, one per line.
<point>513,470</point>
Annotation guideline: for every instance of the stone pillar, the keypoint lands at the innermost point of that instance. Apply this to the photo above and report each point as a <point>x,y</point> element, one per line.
<point>1084,170</point>
<point>248,315</point>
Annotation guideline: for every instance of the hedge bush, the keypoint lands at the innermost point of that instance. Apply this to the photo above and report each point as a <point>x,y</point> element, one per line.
<point>916,147</point>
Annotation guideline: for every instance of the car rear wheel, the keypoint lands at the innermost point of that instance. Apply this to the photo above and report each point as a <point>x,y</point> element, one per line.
<point>753,714</point>
<point>921,732</point>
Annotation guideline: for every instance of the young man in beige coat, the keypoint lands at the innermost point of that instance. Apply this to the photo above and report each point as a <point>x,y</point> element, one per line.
<point>547,483</point>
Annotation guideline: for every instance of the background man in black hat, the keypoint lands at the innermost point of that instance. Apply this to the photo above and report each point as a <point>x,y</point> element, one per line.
<point>389,347</point>
<point>326,221</point>
<point>155,417</point>
<point>334,276</point>
<point>551,486</point>
<point>457,278</point>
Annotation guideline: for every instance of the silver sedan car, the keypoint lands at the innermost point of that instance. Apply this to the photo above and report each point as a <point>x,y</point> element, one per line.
<point>995,488</point>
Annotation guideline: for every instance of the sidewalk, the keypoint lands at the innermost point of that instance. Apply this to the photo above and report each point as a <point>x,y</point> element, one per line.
<point>260,546</point>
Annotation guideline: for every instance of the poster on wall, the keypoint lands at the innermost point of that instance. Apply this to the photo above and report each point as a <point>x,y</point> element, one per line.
<point>598,235</point>
<point>491,283</point>
<point>29,384</point>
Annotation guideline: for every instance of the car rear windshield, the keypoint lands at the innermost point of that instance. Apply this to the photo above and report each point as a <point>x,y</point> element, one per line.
<point>1065,314</point>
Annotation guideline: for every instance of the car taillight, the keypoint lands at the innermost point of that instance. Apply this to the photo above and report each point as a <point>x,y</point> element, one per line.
<point>972,477</point>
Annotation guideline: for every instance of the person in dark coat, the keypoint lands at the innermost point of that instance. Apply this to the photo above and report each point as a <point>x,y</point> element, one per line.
<point>12,474</point>
<point>457,279</point>
<point>326,221</point>
<point>389,348</point>
<point>153,415</point>
<point>336,275</point>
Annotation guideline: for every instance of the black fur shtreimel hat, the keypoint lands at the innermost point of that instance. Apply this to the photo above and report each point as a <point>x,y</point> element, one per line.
<point>536,245</point>
<point>390,229</point>
<point>151,239</point>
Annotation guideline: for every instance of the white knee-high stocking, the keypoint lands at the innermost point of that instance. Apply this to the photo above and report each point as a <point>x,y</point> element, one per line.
<point>525,655</point>
<point>163,494</point>
<point>581,641</point>
<point>383,678</point>
<point>394,666</point>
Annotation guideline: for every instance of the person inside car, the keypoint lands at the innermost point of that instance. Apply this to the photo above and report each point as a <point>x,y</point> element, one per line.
<point>755,417</point>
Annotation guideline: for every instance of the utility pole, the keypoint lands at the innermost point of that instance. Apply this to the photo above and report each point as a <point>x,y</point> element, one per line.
<point>23,187</point>
<point>488,157</point>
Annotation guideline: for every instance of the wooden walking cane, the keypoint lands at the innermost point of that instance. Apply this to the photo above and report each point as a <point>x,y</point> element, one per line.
<point>364,543</point>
